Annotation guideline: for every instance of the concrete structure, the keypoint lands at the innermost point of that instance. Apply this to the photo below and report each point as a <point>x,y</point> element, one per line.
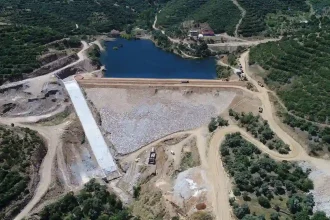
<point>193,33</point>
<point>92,131</point>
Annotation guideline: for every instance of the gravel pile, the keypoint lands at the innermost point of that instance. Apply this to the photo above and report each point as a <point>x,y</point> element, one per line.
<point>321,187</point>
<point>135,118</point>
<point>146,123</point>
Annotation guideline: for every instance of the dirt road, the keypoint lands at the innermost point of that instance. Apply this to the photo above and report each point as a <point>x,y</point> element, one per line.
<point>52,135</point>
<point>243,13</point>
<point>217,174</point>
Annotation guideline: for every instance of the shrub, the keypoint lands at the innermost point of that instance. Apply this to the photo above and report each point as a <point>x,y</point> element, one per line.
<point>264,202</point>
<point>241,211</point>
<point>136,192</point>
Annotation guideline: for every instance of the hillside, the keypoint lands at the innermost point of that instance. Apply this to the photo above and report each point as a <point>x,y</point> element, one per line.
<point>298,69</point>
<point>21,153</point>
<point>26,26</point>
<point>256,11</point>
<point>221,15</point>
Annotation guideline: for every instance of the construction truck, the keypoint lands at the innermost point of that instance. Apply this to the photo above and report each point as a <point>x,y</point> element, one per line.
<point>152,156</point>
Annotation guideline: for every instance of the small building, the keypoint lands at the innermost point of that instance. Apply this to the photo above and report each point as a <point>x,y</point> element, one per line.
<point>193,33</point>
<point>207,32</point>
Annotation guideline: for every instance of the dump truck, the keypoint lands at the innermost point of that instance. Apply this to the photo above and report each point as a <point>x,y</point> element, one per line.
<point>152,156</point>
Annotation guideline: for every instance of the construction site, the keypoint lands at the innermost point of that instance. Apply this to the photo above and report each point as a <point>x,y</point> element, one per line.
<point>150,134</point>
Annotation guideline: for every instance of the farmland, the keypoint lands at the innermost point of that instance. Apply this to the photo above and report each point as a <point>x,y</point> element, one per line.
<point>275,190</point>
<point>298,69</point>
<point>254,21</point>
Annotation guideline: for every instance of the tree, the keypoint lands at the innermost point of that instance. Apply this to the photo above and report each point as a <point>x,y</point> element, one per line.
<point>294,204</point>
<point>326,138</point>
<point>213,125</point>
<point>245,196</point>
<point>318,215</point>
<point>264,202</point>
<point>241,211</point>
<point>136,192</point>
<point>274,216</point>
<point>222,122</point>
<point>303,215</point>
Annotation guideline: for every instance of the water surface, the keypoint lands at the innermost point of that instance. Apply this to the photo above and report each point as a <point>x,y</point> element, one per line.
<point>142,59</point>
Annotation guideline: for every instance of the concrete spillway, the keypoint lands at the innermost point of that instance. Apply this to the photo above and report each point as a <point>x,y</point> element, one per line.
<point>92,131</point>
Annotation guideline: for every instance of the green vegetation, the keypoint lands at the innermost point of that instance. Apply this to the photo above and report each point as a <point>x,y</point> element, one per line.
<point>161,40</point>
<point>136,191</point>
<point>264,187</point>
<point>319,137</point>
<point>260,129</point>
<point>223,72</point>
<point>94,54</point>
<point>177,11</point>
<point>298,69</point>
<point>190,159</point>
<point>320,6</point>
<point>93,202</point>
<point>217,122</point>
<point>201,215</point>
<point>257,10</point>
<point>21,152</point>
<point>33,24</point>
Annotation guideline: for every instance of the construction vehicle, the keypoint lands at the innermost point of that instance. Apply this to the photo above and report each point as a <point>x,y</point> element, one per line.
<point>261,110</point>
<point>185,81</point>
<point>260,84</point>
<point>105,180</point>
<point>152,156</point>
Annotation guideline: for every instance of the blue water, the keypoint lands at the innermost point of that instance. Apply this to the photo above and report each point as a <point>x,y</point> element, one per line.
<point>142,59</point>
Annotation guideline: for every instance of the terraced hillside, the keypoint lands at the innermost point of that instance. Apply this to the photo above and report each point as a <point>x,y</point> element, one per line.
<point>256,10</point>
<point>298,69</point>
<point>221,15</point>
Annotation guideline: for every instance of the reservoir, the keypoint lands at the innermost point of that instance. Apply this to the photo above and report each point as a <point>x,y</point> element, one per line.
<point>142,59</point>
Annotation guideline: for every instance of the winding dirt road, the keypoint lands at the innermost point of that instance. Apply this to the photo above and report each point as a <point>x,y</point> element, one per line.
<point>51,134</point>
<point>217,174</point>
<point>243,13</point>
